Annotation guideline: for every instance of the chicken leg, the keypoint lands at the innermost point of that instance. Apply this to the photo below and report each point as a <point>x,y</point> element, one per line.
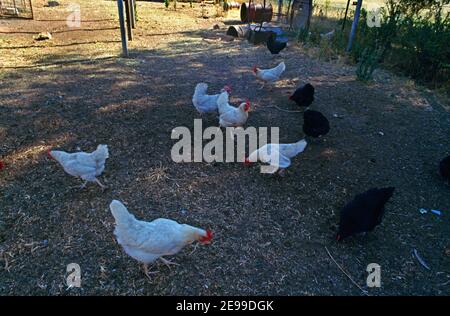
<point>167,262</point>
<point>100,184</point>
<point>147,272</point>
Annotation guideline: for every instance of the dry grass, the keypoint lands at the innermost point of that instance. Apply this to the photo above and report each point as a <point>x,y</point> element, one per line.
<point>270,233</point>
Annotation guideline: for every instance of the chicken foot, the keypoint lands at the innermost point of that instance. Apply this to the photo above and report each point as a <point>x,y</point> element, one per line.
<point>147,272</point>
<point>100,184</point>
<point>168,263</point>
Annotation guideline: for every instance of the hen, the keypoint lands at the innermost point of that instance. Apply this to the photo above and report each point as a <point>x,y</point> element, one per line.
<point>206,103</point>
<point>148,241</point>
<point>364,212</point>
<point>444,168</point>
<point>315,124</point>
<point>231,116</point>
<point>275,46</point>
<point>278,156</point>
<point>87,166</point>
<point>269,75</point>
<point>304,95</point>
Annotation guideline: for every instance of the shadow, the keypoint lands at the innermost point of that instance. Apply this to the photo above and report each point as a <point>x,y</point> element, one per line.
<point>264,224</point>
<point>86,30</point>
<point>59,45</point>
<point>88,21</point>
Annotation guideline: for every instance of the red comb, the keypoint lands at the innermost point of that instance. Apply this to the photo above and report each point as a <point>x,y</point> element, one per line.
<point>254,69</point>
<point>2,165</point>
<point>227,87</point>
<point>206,239</point>
<point>49,154</point>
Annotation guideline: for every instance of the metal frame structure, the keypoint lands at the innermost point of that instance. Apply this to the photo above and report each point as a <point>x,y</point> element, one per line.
<point>16,9</point>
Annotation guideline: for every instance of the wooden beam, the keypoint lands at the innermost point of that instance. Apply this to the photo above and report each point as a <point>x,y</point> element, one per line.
<point>345,16</point>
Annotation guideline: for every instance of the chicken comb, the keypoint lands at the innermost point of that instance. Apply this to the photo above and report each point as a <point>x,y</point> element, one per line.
<point>228,87</point>
<point>49,154</point>
<point>255,68</point>
<point>208,237</point>
<point>2,165</point>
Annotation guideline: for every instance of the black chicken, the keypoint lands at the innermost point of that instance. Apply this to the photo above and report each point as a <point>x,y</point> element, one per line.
<point>274,46</point>
<point>304,95</point>
<point>444,168</point>
<point>315,124</point>
<point>364,212</point>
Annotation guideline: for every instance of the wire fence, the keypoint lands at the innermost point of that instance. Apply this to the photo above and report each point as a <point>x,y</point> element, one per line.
<point>16,9</point>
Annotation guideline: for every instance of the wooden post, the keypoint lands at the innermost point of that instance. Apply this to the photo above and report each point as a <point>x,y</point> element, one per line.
<point>354,25</point>
<point>133,13</point>
<point>128,15</point>
<point>345,16</point>
<point>122,28</point>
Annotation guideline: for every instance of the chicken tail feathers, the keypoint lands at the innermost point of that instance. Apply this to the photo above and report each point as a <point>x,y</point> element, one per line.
<point>201,88</point>
<point>222,101</point>
<point>101,153</point>
<point>120,213</point>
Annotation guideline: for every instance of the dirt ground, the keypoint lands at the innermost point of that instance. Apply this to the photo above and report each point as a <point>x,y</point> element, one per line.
<point>73,92</point>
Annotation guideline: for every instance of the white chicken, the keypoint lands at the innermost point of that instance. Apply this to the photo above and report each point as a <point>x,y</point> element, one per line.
<point>269,75</point>
<point>148,241</point>
<point>87,166</point>
<point>231,116</point>
<point>278,156</point>
<point>206,103</point>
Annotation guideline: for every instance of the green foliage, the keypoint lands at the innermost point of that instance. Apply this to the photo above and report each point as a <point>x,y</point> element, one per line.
<point>413,39</point>
<point>166,3</point>
<point>368,62</point>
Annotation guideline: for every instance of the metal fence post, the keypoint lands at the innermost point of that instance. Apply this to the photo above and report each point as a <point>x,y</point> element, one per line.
<point>122,28</point>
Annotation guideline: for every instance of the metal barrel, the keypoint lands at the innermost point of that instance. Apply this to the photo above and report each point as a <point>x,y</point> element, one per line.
<point>256,13</point>
<point>240,31</point>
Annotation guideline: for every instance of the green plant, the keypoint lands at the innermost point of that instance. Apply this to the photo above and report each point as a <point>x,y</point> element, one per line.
<point>166,3</point>
<point>368,62</point>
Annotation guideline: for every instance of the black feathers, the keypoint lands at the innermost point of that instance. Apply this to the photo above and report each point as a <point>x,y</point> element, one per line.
<point>304,95</point>
<point>275,46</point>
<point>315,124</point>
<point>444,168</point>
<point>364,212</point>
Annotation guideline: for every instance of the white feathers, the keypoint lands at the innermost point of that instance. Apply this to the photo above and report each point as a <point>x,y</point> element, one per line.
<point>270,75</point>
<point>203,102</point>
<point>231,116</point>
<point>86,166</point>
<point>148,241</point>
<point>278,156</point>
